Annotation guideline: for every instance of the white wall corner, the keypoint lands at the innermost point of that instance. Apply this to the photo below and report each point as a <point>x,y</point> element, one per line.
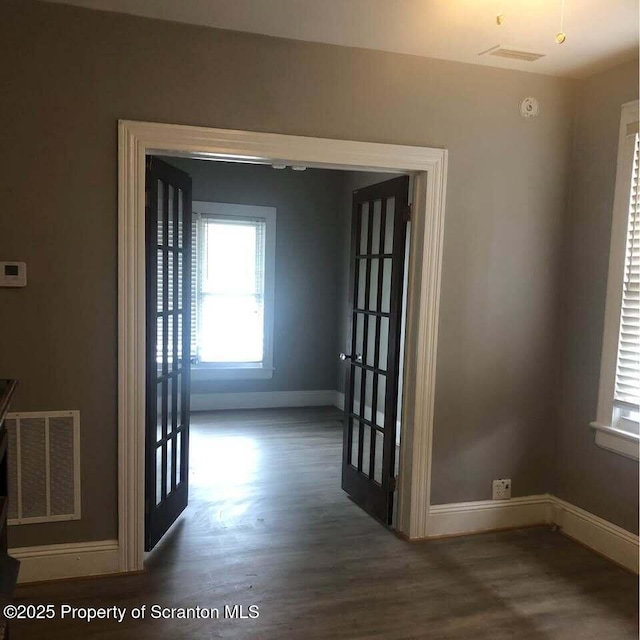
<point>73,560</point>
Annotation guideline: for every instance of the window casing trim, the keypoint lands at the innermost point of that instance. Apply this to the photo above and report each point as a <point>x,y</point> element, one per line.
<point>615,428</point>
<point>245,370</point>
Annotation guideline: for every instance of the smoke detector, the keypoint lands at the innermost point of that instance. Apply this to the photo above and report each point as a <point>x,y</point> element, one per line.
<point>529,108</point>
<point>512,54</point>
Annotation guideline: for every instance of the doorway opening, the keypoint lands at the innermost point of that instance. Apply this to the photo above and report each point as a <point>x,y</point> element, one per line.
<point>286,269</point>
<point>137,140</point>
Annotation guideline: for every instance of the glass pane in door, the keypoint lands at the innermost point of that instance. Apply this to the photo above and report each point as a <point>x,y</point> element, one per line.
<point>379,446</point>
<point>362,283</point>
<point>357,387</point>
<point>383,344</point>
<point>373,285</point>
<point>389,221</point>
<point>368,396</point>
<point>358,342</point>
<point>354,426</point>
<point>385,302</point>
<point>371,341</point>
<point>159,474</point>
<point>364,228</point>
<point>366,448</point>
<point>380,400</point>
<point>375,229</point>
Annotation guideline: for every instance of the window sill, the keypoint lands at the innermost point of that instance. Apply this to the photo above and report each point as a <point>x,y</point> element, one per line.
<point>618,441</point>
<point>248,372</point>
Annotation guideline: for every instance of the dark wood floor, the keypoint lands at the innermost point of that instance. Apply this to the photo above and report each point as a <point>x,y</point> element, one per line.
<point>268,525</point>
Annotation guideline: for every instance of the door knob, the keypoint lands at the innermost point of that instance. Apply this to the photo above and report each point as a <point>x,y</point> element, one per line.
<point>354,357</point>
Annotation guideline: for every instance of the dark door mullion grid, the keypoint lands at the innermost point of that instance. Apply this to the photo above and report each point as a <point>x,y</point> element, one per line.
<point>376,356</point>
<point>375,255</point>
<point>366,421</point>
<point>171,436</point>
<point>393,342</point>
<point>175,257</point>
<point>169,376</point>
<point>151,404</point>
<point>368,367</point>
<point>356,232</point>
<point>168,205</point>
<point>365,313</point>
<point>381,314</point>
<point>165,337</point>
<point>373,490</point>
<point>185,307</point>
<point>365,332</point>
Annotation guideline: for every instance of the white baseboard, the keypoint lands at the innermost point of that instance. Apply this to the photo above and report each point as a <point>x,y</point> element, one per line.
<point>602,536</point>
<point>485,515</point>
<point>73,560</point>
<point>262,400</point>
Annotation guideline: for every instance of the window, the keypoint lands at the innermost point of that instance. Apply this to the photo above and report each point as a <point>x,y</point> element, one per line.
<point>617,423</point>
<point>233,265</point>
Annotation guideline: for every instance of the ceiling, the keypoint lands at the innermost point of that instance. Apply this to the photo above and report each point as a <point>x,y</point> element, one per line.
<point>600,33</point>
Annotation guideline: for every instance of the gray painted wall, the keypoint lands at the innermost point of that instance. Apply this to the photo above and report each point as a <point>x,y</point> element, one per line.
<point>308,265</point>
<point>602,482</point>
<point>64,91</point>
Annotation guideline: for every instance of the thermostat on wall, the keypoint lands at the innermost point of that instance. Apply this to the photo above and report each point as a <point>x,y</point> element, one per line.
<point>13,274</point>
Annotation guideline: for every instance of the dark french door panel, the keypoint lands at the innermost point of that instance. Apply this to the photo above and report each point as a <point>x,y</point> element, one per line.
<point>379,226</point>
<point>168,337</point>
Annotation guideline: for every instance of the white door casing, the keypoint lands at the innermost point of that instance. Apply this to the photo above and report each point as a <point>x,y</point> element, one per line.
<point>428,165</point>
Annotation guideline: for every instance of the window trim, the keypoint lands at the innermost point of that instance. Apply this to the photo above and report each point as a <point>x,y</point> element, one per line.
<point>611,434</point>
<point>245,370</point>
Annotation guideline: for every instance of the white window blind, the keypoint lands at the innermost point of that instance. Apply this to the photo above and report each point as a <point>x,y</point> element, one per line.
<point>627,384</point>
<point>230,283</point>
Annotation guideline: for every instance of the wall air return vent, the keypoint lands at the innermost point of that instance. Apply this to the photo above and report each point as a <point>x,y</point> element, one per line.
<point>44,466</point>
<point>512,54</point>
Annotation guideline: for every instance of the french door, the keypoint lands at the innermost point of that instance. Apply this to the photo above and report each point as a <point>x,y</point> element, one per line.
<point>168,331</point>
<point>379,225</point>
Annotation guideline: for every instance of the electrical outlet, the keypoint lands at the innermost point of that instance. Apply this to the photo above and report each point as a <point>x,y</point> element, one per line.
<point>502,489</point>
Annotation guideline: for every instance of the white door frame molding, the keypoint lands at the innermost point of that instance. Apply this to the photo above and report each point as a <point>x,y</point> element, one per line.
<point>428,165</point>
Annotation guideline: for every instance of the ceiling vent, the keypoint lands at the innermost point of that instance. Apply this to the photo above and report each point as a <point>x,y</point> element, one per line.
<point>512,54</point>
